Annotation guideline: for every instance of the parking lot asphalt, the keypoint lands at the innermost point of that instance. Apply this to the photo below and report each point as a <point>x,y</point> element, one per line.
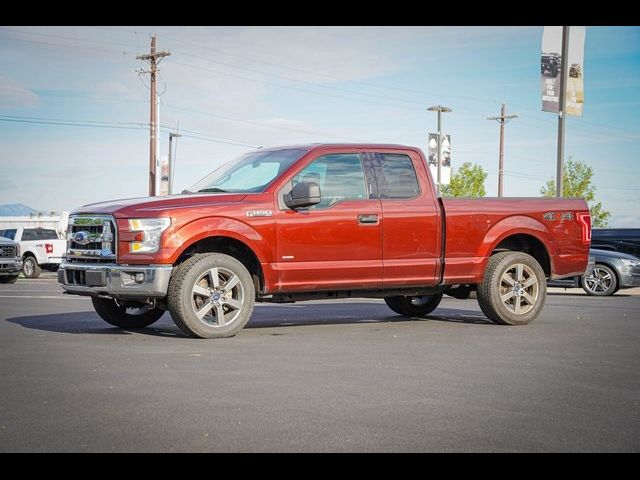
<point>321,376</point>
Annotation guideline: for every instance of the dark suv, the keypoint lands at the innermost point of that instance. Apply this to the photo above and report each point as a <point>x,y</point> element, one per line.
<point>625,240</point>
<point>550,63</point>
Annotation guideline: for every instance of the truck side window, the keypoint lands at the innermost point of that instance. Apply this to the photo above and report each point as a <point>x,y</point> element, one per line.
<point>340,176</point>
<point>9,233</point>
<point>399,177</point>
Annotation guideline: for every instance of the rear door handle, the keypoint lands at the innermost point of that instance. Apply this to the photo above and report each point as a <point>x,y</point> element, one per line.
<point>367,219</point>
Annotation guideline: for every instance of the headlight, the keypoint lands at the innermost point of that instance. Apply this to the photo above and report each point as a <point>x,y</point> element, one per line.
<point>17,249</point>
<point>148,241</point>
<point>630,263</point>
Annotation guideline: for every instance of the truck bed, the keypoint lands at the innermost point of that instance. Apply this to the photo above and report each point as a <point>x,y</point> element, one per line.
<point>474,227</point>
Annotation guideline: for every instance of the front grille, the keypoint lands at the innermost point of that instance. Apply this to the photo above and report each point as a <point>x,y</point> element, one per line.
<point>7,251</point>
<point>91,239</point>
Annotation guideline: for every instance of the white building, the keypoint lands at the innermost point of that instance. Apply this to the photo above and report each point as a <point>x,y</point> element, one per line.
<point>58,222</point>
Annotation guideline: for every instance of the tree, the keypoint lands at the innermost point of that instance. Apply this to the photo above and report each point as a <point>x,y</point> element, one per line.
<point>468,181</point>
<point>576,182</point>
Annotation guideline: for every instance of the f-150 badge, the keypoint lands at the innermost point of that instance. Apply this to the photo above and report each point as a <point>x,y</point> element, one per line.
<point>259,213</point>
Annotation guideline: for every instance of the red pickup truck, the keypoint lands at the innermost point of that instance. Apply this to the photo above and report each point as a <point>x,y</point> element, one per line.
<point>315,222</point>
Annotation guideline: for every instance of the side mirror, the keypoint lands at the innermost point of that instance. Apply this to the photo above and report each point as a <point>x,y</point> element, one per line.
<point>304,194</point>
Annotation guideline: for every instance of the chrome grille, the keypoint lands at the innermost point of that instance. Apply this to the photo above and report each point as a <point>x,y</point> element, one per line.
<point>91,239</point>
<point>7,251</point>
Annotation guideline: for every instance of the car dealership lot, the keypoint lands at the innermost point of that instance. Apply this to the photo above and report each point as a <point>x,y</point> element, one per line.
<point>321,376</point>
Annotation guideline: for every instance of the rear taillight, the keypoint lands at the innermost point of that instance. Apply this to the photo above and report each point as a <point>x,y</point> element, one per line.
<point>48,247</point>
<point>585,222</point>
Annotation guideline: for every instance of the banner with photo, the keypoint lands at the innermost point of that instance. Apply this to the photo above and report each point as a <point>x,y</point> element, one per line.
<point>164,176</point>
<point>551,66</point>
<point>445,157</point>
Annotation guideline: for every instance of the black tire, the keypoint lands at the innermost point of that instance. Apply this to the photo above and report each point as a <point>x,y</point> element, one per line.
<point>30,267</point>
<point>602,281</point>
<point>130,318</point>
<point>510,310</point>
<point>8,278</point>
<point>414,306</point>
<point>225,296</point>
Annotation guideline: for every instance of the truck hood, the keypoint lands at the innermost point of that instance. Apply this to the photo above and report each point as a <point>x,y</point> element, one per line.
<point>154,206</point>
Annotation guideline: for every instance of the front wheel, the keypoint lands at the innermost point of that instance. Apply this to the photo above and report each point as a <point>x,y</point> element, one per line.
<point>414,306</point>
<point>211,295</point>
<point>601,282</point>
<point>125,316</point>
<point>513,290</point>
<point>30,267</point>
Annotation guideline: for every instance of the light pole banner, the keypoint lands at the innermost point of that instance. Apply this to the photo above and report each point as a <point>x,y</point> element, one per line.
<point>551,66</point>
<point>164,176</point>
<point>445,157</point>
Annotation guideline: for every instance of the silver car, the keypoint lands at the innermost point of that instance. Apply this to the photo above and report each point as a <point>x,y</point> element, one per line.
<point>611,272</point>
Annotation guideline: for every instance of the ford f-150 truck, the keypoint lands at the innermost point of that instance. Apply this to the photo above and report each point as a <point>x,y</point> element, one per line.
<point>312,222</point>
<point>40,247</point>
<point>10,261</point>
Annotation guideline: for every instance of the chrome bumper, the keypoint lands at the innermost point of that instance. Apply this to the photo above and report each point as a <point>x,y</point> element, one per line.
<point>10,266</point>
<point>134,281</point>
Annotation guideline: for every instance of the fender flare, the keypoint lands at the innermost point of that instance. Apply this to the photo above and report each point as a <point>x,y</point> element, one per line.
<point>518,225</point>
<point>209,227</point>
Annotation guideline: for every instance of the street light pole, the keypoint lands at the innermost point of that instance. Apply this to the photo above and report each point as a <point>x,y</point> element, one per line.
<point>439,109</point>
<point>562,110</point>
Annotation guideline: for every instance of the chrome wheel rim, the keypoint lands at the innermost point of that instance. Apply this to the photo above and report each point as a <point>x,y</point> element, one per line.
<point>28,267</point>
<point>519,289</point>
<point>217,297</point>
<point>599,281</point>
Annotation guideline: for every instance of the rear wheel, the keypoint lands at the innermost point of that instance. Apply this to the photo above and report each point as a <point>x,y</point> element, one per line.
<point>513,290</point>
<point>414,306</point>
<point>129,316</point>
<point>30,267</point>
<point>211,295</point>
<point>601,282</point>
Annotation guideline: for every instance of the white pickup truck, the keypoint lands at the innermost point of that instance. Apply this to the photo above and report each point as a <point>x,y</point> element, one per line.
<point>40,248</point>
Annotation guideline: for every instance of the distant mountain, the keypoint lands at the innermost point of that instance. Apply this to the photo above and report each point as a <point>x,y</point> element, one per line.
<point>15,210</point>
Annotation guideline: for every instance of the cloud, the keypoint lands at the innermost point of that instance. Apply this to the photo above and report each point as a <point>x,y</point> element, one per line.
<point>15,95</point>
<point>625,221</point>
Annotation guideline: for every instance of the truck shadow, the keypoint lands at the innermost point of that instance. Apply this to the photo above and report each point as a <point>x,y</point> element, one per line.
<point>264,317</point>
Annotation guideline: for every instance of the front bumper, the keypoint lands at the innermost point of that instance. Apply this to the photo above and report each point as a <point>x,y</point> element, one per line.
<point>10,266</point>
<point>134,281</point>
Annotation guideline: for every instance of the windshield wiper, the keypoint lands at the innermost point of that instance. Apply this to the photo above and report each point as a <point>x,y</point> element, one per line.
<point>212,189</point>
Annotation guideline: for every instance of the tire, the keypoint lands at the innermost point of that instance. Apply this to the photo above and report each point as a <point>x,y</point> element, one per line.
<point>211,295</point>
<point>118,316</point>
<point>510,279</point>
<point>9,279</point>
<point>414,306</point>
<point>602,281</point>
<point>30,267</point>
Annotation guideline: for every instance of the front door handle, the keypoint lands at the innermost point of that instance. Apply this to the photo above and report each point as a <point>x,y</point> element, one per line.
<point>367,219</point>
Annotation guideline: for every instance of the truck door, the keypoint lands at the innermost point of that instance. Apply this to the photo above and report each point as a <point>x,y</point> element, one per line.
<point>337,243</point>
<point>411,227</point>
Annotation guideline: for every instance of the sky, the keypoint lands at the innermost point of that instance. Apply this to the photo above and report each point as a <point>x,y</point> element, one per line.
<point>74,104</point>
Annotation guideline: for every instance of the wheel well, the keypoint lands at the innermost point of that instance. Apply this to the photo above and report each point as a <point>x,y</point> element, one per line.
<point>526,244</point>
<point>232,247</point>
<point>28,254</point>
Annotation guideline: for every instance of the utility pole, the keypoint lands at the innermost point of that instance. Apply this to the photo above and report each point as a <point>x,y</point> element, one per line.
<point>171,135</point>
<point>502,119</point>
<point>562,104</point>
<point>153,58</point>
<point>439,109</point>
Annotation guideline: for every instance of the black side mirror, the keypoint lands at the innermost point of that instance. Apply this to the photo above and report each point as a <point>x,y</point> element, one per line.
<point>304,194</point>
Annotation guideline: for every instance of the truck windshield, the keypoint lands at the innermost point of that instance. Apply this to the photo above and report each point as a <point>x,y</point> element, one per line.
<point>252,172</point>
